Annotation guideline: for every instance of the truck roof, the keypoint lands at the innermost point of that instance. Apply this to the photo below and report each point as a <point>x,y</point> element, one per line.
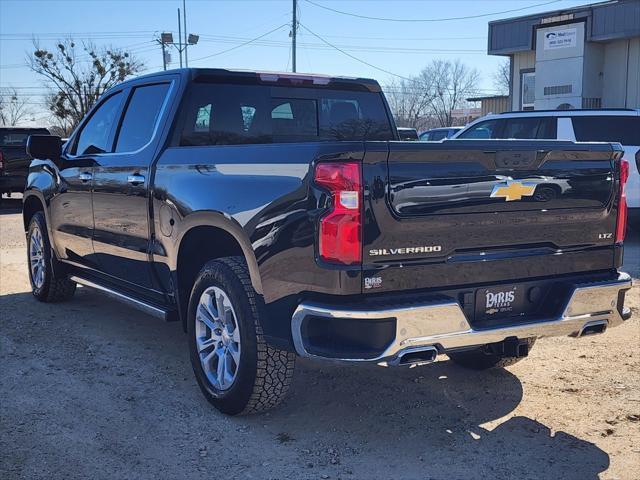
<point>267,77</point>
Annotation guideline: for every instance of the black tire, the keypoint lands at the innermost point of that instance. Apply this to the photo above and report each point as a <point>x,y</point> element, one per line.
<point>264,373</point>
<point>545,193</point>
<point>483,358</point>
<point>56,286</point>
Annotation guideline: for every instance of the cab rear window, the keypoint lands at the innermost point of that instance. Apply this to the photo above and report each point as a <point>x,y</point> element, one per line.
<point>216,114</point>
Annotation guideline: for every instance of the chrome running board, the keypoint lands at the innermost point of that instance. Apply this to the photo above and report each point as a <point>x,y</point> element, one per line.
<point>126,299</point>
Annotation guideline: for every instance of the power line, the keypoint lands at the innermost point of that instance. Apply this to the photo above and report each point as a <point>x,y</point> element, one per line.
<point>75,34</point>
<point>353,56</point>
<point>467,17</point>
<point>378,49</point>
<point>406,39</point>
<point>242,44</point>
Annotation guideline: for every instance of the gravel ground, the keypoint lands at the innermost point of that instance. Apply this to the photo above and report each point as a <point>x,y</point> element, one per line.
<point>93,389</point>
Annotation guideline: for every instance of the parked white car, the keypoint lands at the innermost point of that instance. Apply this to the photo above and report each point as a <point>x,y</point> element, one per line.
<point>616,125</point>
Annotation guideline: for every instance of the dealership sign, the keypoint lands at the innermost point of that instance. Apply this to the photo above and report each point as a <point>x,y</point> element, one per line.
<point>560,38</point>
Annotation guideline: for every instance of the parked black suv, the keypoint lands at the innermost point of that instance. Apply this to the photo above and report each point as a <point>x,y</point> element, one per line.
<point>278,214</point>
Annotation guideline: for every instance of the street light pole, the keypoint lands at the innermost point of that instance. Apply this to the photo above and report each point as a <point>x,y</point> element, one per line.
<point>186,44</point>
<point>294,27</point>
<point>179,38</point>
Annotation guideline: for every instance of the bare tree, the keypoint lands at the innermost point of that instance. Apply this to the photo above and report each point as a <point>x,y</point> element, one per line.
<point>78,76</point>
<point>502,77</point>
<point>429,99</point>
<point>409,101</point>
<point>14,108</point>
<point>451,83</point>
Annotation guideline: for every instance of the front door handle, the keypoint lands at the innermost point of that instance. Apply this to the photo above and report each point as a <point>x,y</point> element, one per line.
<point>135,179</point>
<point>85,176</point>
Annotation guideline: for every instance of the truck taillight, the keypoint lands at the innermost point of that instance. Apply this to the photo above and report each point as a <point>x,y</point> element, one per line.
<point>621,226</point>
<point>341,229</point>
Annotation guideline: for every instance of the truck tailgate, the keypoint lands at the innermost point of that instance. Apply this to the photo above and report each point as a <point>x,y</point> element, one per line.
<point>480,212</point>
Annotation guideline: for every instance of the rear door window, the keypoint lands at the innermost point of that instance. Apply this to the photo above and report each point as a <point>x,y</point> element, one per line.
<point>528,128</point>
<point>216,114</point>
<point>607,128</point>
<point>484,130</point>
<point>439,134</point>
<point>141,117</point>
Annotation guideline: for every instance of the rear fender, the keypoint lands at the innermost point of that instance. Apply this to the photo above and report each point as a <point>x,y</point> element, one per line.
<point>229,225</point>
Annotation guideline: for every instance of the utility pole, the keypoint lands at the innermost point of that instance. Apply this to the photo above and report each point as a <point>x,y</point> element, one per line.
<point>165,39</point>
<point>294,28</point>
<point>179,38</point>
<point>184,18</point>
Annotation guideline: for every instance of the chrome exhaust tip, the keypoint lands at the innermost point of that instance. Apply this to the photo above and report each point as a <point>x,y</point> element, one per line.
<point>415,356</point>
<point>593,328</point>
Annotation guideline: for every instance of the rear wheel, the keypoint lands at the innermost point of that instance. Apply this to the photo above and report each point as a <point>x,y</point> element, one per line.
<point>48,281</point>
<point>485,357</point>
<point>237,371</point>
<point>545,193</point>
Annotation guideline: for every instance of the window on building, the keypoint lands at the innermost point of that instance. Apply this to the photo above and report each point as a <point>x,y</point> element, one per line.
<point>528,90</point>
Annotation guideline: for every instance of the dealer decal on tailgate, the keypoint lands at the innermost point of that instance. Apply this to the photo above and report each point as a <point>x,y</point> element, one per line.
<point>500,301</point>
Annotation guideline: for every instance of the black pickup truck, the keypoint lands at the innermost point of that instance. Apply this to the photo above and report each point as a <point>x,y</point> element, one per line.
<point>14,161</point>
<point>277,215</point>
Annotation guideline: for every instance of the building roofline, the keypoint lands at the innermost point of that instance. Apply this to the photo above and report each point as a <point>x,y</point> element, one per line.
<point>604,21</point>
<point>487,97</point>
<point>553,13</point>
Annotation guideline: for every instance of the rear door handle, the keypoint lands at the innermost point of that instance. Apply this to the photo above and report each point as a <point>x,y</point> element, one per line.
<point>85,176</point>
<point>135,179</point>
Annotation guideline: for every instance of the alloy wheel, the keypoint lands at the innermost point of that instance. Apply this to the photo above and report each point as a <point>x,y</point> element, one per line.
<point>217,338</point>
<point>36,257</point>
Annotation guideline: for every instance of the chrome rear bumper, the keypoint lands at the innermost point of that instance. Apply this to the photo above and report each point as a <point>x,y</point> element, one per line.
<point>444,326</point>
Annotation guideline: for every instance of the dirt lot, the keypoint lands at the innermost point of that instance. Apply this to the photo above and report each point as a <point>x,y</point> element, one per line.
<point>93,389</point>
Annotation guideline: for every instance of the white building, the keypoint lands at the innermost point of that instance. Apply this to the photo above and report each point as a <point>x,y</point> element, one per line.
<point>582,57</point>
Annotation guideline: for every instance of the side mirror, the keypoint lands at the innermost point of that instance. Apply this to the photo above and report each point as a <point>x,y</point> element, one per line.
<point>44,147</point>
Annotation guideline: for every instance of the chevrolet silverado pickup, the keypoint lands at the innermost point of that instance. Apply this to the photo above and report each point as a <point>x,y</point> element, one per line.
<point>278,215</point>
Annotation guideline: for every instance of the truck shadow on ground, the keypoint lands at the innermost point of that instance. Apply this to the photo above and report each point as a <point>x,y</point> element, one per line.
<point>133,398</point>
<point>432,417</point>
<point>10,205</point>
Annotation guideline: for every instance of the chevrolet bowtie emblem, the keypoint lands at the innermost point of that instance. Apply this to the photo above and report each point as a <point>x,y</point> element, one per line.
<point>513,190</point>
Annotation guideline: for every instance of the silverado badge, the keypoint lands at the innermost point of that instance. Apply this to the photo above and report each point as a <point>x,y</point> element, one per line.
<point>511,190</point>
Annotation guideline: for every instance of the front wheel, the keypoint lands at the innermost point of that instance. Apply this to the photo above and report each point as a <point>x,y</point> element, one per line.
<point>237,371</point>
<point>48,282</point>
<point>485,357</point>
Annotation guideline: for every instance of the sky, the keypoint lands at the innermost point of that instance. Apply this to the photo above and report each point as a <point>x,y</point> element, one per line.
<point>382,49</point>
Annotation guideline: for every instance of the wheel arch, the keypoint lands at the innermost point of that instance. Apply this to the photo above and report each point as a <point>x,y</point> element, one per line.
<point>205,237</point>
<point>32,203</point>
